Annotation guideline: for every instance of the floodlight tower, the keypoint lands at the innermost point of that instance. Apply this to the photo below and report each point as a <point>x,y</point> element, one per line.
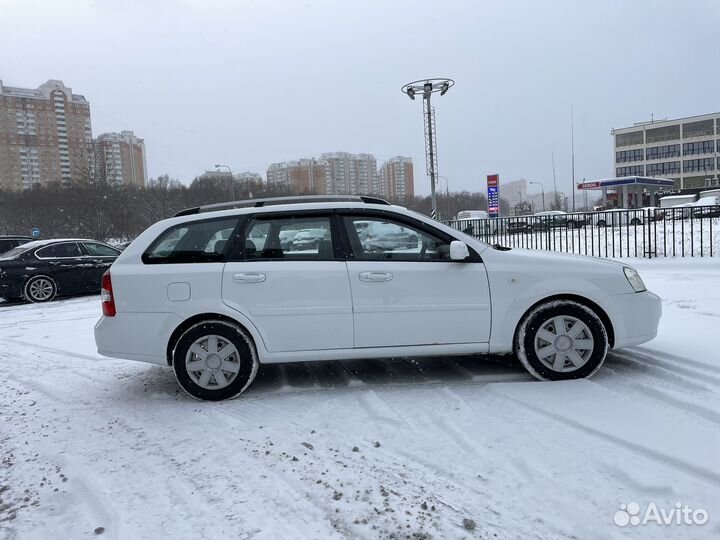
<point>427,87</point>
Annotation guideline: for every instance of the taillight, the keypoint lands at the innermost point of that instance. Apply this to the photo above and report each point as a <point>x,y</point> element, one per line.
<point>106,294</point>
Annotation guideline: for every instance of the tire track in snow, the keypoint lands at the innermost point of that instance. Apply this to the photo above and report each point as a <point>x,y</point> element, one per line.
<point>666,398</point>
<point>649,354</point>
<point>91,495</point>
<point>377,408</point>
<point>299,491</point>
<point>704,474</point>
<point>59,352</point>
<point>671,368</point>
<point>625,365</point>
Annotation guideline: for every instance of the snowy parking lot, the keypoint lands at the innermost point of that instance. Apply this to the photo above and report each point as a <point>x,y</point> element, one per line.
<point>435,448</point>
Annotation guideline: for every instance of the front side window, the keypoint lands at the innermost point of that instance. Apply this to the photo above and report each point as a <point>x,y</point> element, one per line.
<point>380,239</point>
<point>194,242</point>
<point>291,238</point>
<point>66,250</point>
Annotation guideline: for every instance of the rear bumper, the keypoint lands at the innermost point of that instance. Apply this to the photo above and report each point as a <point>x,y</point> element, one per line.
<point>136,336</point>
<point>636,318</point>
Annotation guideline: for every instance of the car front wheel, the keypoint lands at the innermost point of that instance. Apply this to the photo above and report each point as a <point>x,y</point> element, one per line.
<point>214,360</point>
<point>561,340</point>
<point>40,289</point>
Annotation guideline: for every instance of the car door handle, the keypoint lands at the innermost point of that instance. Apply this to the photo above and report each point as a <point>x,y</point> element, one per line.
<point>248,278</point>
<point>375,276</point>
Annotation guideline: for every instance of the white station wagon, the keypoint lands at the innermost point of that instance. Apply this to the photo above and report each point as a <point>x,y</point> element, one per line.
<point>213,293</point>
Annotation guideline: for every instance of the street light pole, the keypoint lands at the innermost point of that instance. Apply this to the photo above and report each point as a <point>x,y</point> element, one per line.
<point>543,192</point>
<point>232,179</point>
<point>429,87</point>
<point>447,194</point>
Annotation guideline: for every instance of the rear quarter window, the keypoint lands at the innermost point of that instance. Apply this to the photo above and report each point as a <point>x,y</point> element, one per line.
<point>194,242</point>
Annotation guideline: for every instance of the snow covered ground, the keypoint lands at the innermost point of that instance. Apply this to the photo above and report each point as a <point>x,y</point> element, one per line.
<point>438,448</point>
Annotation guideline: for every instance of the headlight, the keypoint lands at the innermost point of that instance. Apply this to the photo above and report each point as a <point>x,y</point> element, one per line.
<point>634,279</point>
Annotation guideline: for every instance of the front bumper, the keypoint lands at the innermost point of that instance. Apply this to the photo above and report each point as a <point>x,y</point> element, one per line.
<point>635,318</point>
<point>10,289</point>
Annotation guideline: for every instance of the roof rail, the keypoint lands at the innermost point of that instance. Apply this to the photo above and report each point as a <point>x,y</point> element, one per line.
<point>257,203</point>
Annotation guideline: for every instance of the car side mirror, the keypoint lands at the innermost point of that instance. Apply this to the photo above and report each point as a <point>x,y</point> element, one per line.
<point>458,251</point>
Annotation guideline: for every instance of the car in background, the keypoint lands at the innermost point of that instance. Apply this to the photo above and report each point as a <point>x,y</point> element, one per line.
<point>478,223</point>
<point>709,207</point>
<point>383,237</point>
<point>39,271</point>
<point>554,219</point>
<point>287,238</point>
<point>308,239</point>
<point>122,245</point>
<point>8,241</point>
<point>617,217</point>
<point>517,225</point>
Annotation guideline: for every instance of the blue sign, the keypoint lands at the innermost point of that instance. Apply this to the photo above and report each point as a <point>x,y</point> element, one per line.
<point>35,232</point>
<point>493,187</point>
<point>493,203</point>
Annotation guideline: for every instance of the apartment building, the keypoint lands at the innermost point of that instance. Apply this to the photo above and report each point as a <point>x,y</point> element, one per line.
<point>684,150</point>
<point>396,179</point>
<point>44,134</point>
<point>352,174</point>
<point>120,158</point>
<point>304,176</point>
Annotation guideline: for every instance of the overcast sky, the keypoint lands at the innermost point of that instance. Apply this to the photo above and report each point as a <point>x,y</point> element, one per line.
<point>248,83</point>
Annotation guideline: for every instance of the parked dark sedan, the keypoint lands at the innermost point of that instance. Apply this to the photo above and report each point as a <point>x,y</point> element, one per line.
<point>41,270</point>
<point>9,241</point>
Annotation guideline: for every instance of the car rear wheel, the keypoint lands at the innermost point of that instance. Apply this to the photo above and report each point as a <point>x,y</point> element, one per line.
<point>561,340</point>
<point>214,360</point>
<point>40,289</point>
<point>635,221</point>
<point>571,225</point>
<point>602,223</point>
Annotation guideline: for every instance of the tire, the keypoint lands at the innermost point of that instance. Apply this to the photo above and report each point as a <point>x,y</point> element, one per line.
<point>571,225</point>
<point>539,355</point>
<point>216,378</point>
<point>602,223</point>
<point>40,289</point>
<point>635,221</point>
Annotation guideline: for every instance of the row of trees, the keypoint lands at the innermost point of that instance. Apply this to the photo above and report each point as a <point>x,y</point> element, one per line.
<point>97,209</point>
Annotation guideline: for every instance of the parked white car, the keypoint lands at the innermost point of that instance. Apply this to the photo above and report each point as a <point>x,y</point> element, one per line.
<point>478,223</point>
<point>215,315</point>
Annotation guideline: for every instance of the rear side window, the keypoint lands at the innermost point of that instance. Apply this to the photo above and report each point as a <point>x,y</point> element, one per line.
<point>195,242</point>
<point>289,238</point>
<point>100,250</point>
<point>69,249</point>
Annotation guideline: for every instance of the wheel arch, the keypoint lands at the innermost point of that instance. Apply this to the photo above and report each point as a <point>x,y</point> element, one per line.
<point>596,308</point>
<point>203,317</point>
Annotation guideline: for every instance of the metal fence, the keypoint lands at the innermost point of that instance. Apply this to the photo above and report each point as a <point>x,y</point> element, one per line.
<point>671,232</point>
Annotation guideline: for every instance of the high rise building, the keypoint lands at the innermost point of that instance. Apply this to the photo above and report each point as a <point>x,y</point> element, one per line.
<point>121,158</point>
<point>44,134</point>
<point>684,150</point>
<point>396,179</point>
<point>352,174</point>
<point>303,177</point>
